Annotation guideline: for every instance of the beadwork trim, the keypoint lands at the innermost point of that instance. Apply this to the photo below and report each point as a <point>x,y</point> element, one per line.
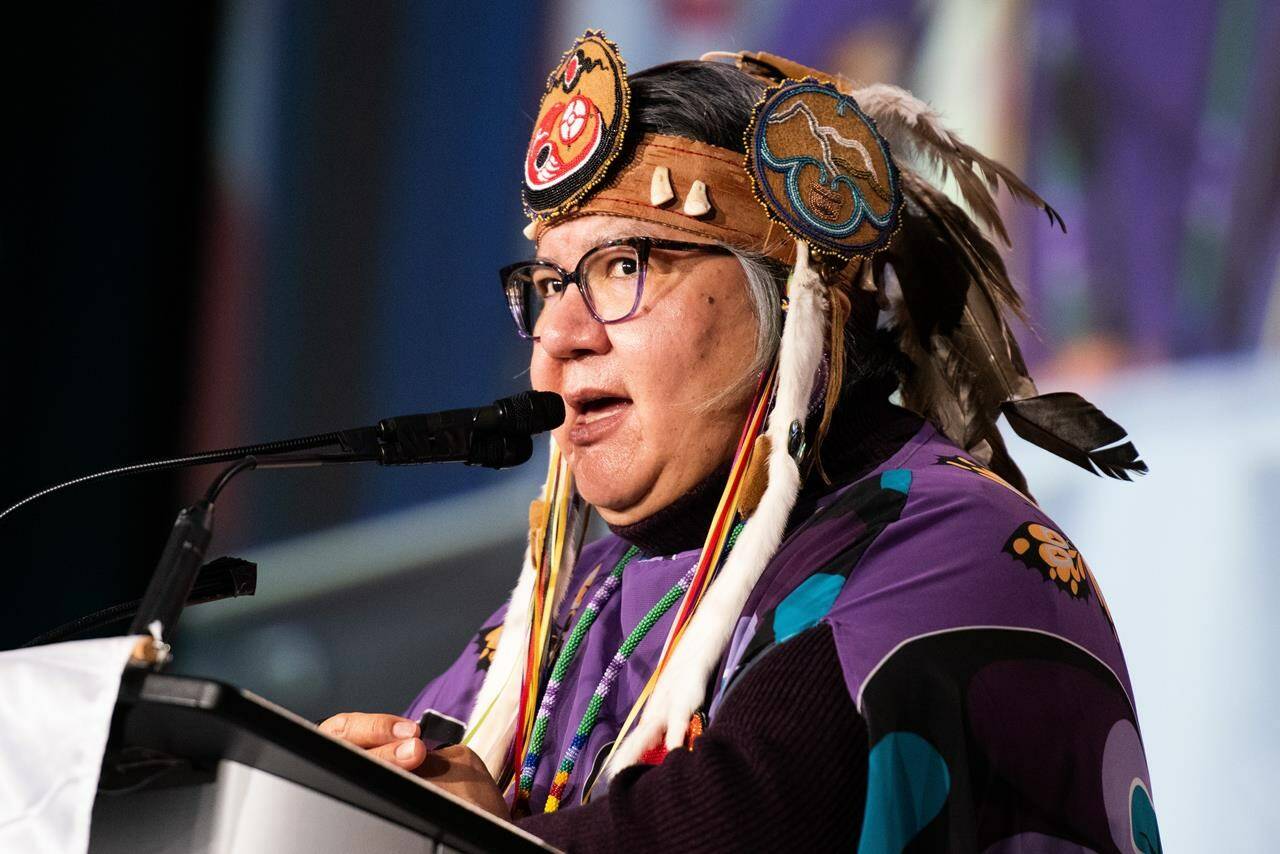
<point>549,697</point>
<point>604,687</point>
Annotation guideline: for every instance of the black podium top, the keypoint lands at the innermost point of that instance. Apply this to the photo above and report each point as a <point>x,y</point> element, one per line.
<point>173,730</point>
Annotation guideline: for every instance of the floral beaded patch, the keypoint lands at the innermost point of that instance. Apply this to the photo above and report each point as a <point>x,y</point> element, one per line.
<point>580,126</point>
<point>486,641</point>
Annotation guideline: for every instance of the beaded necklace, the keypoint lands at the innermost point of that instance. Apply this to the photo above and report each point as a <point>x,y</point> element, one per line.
<point>607,588</point>
<point>607,680</point>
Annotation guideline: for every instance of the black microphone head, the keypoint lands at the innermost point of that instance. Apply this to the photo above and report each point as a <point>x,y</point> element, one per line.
<point>548,411</point>
<point>530,412</point>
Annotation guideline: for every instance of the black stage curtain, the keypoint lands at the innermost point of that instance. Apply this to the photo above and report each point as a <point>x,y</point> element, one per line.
<point>106,175</point>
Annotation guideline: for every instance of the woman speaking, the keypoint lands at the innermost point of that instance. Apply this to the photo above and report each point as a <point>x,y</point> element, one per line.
<point>829,614</point>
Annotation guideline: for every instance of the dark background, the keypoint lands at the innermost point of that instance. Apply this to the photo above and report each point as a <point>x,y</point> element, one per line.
<point>106,183</point>
<point>232,223</point>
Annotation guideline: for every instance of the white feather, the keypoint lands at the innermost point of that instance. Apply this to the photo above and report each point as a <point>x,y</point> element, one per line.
<point>914,128</point>
<point>492,733</point>
<point>898,114</point>
<point>682,685</point>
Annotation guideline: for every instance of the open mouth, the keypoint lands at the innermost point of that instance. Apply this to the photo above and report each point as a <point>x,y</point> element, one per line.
<point>593,409</point>
<point>597,415</point>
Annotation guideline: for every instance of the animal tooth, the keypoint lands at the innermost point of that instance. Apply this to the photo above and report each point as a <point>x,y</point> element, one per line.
<point>660,187</point>
<point>696,203</point>
<point>868,279</point>
<point>530,230</point>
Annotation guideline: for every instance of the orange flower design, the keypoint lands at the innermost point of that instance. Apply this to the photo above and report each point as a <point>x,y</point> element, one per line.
<point>1053,556</point>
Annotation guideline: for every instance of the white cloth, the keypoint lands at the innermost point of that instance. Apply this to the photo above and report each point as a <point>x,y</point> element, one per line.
<point>56,704</point>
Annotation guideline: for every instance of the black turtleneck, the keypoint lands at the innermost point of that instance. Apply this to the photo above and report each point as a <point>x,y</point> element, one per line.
<point>865,431</point>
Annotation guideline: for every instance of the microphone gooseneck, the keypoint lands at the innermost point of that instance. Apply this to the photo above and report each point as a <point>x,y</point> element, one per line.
<point>284,446</point>
<point>494,436</point>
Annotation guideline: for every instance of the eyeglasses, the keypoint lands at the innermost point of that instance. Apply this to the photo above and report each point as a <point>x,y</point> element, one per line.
<point>610,277</point>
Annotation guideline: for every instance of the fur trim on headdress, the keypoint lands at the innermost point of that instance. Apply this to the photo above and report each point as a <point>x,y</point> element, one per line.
<point>681,687</point>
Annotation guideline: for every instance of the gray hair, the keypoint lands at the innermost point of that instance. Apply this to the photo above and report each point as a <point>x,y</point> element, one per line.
<point>766,282</point>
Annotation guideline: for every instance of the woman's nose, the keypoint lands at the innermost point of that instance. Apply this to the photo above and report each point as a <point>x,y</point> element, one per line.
<point>567,329</point>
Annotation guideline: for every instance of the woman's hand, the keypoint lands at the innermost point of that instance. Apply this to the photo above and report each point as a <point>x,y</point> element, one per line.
<point>390,738</point>
<point>459,771</point>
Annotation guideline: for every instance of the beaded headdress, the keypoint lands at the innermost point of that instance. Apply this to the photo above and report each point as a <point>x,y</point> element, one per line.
<point>832,185</point>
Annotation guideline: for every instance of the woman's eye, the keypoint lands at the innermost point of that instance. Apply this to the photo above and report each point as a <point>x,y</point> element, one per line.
<point>548,288</point>
<point>623,267</point>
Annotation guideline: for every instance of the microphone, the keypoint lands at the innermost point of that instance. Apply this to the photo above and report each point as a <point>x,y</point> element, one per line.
<point>494,436</point>
<point>523,414</point>
<point>497,435</point>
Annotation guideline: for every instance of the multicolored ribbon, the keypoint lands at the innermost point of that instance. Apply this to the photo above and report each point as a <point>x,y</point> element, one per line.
<point>548,553</point>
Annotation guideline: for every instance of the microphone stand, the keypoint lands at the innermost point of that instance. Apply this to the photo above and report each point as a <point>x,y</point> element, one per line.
<point>175,573</point>
<point>170,587</point>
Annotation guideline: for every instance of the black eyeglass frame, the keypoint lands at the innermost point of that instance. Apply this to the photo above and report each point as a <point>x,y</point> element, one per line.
<point>517,297</point>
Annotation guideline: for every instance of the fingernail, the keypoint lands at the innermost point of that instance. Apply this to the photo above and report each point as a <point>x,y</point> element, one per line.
<point>405,750</point>
<point>404,729</point>
<point>339,725</point>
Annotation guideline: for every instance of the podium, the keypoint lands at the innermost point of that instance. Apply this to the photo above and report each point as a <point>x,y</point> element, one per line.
<point>195,765</point>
